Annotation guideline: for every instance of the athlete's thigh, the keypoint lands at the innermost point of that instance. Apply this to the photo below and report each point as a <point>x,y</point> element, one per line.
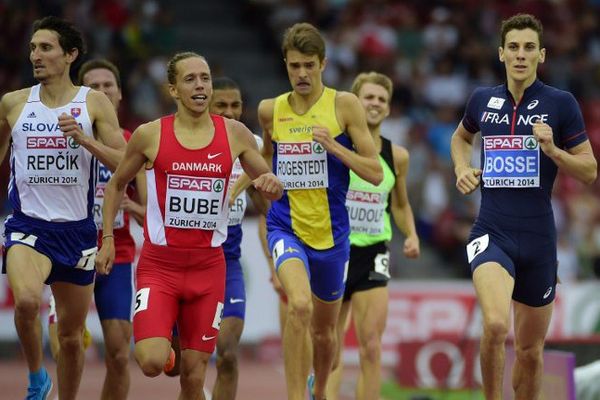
<point>531,323</point>
<point>494,287</point>
<point>72,305</point>
<point>537,268</point>
<point>156,303</point>
<point>113,293</point>
<point>291,263</point>
<point>235,290</point>
<point>369,311</point>
<point>27,269</point>
<point>328,271</point>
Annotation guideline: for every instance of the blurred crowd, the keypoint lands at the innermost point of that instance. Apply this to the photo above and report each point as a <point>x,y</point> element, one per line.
<point>436,52</point>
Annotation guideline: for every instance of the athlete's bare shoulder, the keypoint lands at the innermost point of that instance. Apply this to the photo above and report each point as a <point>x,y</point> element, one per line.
<point>265,110</point>
<point>13,100</point>
<point>238,132</point>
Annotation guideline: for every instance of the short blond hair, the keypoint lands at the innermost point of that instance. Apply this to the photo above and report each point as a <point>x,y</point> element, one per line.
<point>375,78</point>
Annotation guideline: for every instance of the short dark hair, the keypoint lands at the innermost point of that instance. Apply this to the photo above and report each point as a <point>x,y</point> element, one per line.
<point>172,64</point>
<point>99,63</point>
<point>305,38</point>
<point>69,37</point>
<point>225,83</point>
<point>520,22</point>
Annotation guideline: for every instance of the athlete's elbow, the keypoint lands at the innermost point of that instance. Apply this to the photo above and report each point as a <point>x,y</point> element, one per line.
<point>591,177</point>
<point>377,176</point>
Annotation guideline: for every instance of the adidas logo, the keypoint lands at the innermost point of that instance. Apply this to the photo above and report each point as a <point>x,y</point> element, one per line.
<point>32,115</point>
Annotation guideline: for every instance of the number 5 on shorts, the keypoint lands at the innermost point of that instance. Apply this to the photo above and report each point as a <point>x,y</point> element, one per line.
<point>141,300</point>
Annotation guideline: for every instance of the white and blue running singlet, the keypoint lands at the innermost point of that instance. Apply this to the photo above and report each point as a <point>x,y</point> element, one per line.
<point>52,177</point>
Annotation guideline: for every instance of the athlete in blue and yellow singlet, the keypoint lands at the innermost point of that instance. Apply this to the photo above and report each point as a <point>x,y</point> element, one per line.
<point>312,135</point>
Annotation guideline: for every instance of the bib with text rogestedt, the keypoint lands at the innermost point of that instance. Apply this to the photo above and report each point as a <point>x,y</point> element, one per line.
<point>511,161</point>
<point>302,165</point>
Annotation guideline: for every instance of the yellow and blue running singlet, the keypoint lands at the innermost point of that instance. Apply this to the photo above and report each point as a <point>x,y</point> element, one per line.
<point>315,182</point>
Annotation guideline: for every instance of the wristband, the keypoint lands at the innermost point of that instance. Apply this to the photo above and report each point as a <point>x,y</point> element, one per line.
<point>108,236</point>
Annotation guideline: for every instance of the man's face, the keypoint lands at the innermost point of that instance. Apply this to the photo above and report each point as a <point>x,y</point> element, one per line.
<point>376,102</point>
<point>193,84</point>
<point>104,80</point>
<point>46,56</point>
<point>304,71</point>
<point>521,54</point>
<point>227,103</point>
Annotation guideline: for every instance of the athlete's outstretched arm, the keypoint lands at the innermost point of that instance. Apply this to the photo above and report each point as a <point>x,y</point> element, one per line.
<point>253,163</point>
<point>137,207</point>
<point>134,159</point>
<point>401,209</point>
<point>265,119</point>
<point>109,145</point>
<point>364,161</point>
<point>461,147</point>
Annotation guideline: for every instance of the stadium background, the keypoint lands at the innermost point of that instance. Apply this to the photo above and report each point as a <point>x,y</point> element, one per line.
<point>437,52</point>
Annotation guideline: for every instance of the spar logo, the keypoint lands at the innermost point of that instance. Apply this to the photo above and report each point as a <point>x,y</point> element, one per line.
<point>301,148</point>
<point>510,143</point>
<point>195,184</point>
<point>46,142</point>
<point>530,143</point>
<point>318,148</point>
<point>364,197</point>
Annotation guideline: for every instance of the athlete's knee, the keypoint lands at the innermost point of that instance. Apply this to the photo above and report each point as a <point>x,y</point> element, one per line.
<point>70,341</point>
<point>300,310</point>
<point>27,305</point>
<point>194,377</point>
<point>496,329</point>
<point>530,356</point>
<point>370,347</point>
<point>227,360</point>
<point>150,364</point>
<point>324,335</point>
<point>117,358</point>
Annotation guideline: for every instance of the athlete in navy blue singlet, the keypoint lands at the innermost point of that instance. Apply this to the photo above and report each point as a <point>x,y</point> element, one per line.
<point>529,130</point>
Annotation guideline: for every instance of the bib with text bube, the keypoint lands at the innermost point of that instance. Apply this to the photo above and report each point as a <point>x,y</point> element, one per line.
<point>194,202</point>
<point>302,165</point>
<point>511,161</point>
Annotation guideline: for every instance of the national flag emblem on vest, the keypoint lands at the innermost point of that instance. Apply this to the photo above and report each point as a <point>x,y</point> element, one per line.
<point>75,112</point>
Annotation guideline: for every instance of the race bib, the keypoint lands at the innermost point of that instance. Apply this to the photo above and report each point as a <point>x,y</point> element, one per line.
<point>238,209</point>
<point>302,165</point>
<point>366,212</point>
<point>53,160</point>
<point>194,202</point>
<point>477,246</point>
<point>511,162</point>
<point>97,209</point>
<point>381,267</point>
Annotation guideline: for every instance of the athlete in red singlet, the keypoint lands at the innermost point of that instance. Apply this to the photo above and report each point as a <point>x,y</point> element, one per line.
<point>181,271</point>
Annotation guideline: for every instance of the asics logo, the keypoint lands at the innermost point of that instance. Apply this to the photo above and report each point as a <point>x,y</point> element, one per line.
<point>547,292</point>
<point>233,300</point>
<point>207,338</point>
<point>532,105</point>
<point>211,156</point>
